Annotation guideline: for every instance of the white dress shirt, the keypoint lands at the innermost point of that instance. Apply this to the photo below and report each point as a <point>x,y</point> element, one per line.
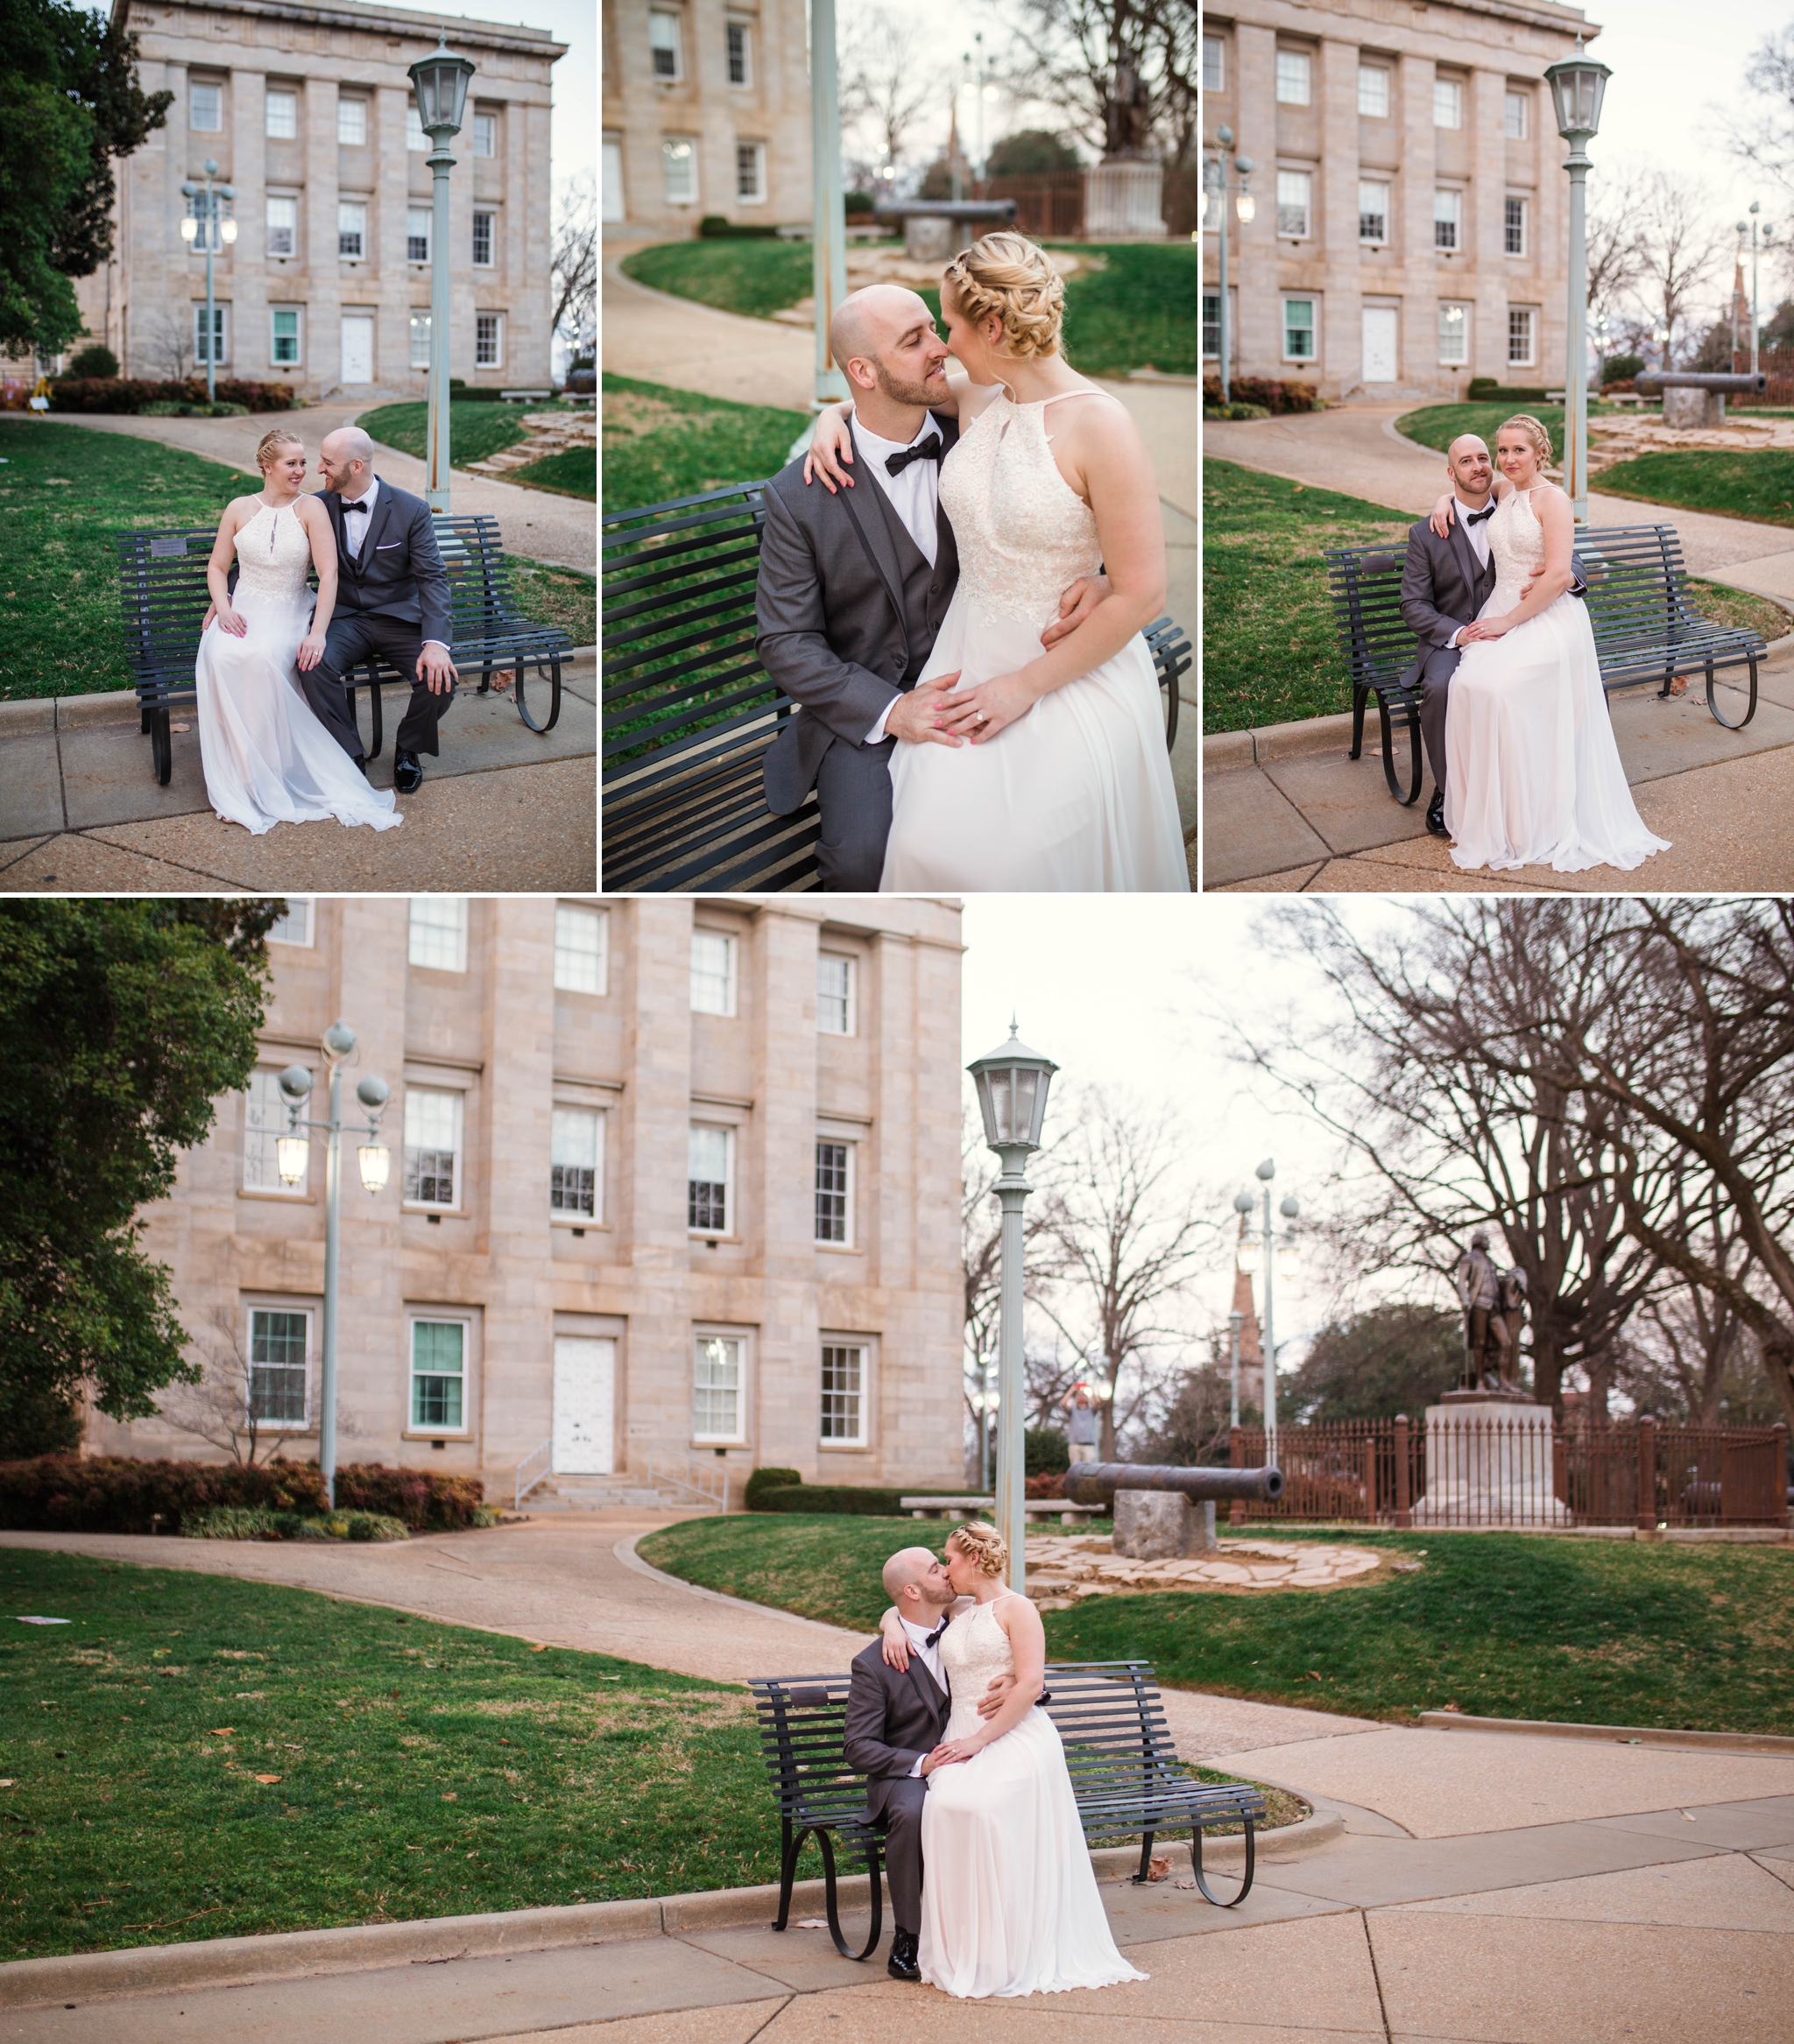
<point>917,1636</point>
<point>914,495</point>
<point>1477,536</point>
<point>354,529</point>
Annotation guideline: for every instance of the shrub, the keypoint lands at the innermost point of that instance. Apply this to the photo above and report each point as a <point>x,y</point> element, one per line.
<point>134,394</point>
<point>236,1522</point>
<point>1487,391</point>
<point>714,228</point>
<point>854,1499</point>
<point>1277,398</point>
<point>66,1493</point>
<point>165,409</point>
<point>418,1499</point>
<point>761,1481</point>
<point>1629,387</point>
<point>1047,1484</point>
<point>95,362</point>
<point>1620,368</point>
<point>1044,1449</point>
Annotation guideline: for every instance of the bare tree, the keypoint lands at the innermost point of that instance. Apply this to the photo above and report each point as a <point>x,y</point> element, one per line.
<point>1614,257</point>
<point>221,1407</point>
<point>166,337</point>
<point>1677,246</point>
<point>1764,137</point>
<point>981,1238</point>
<point>575,266</point>
<point>887,79</point>
<point>1078,55</point>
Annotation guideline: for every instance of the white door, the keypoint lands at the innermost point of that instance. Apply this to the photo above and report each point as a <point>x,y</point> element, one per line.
<point>585,1372</point>
<point>357,348</point>
<point>611,180</point>
<point>1380,344</point>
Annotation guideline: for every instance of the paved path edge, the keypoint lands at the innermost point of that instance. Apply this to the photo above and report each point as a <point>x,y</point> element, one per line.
<point>1642,1734</point>
<point>625,1552</point>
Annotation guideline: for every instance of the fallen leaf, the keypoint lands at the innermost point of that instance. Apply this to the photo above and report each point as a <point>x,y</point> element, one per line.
<point>1314,1675</point>
<point>449,1797</point>
<point>811,1923</point>
<point>49,1621</point>
<point>268,1778</point>
<point>1160,1870</point>
<point>223,1732</point>
<point>9,1783</point>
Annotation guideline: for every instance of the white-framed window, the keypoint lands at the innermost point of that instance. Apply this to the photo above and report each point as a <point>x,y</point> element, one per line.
<point>415,140</point>
<point>417,234</point>
<point>263,1122</point>
<point>420,340</point>
<point>1292,78</point>
<point>713,956</point>
<point>1293,190</point>
<point>1513,227</point>
<point>283,335</point>
<point>739,39</point>
<point>437,936</point>
<point>280,115</point>
<point>1373,92</point>
<point>1212,326</point>
<point>709,1179</point>
<point>218,348</point>
<point>485,134</point>
<point>1298,329</point>
<point>1214,64</point>
<point>294,925</point>
<point>719,1388</point>
<point>834,1210</point>
<point>283,225</point>
<point>582,949</point>
<point>665,46</point>
<point>1523,334</point>
<point>432,1148</point>
<point>489,340</point>
<point>835,991</point>
<point>679,165</point>
<point>1448,208</point>
<point>483,240</point>
<point>577,1163</point>
<point>750,174</point>
<point>1448,103</point>
<point>1373,213</point>
<point>352,228</point>
<point>279,1365</point>
<point>614,204</point>
<point>843,1394</point>
<point>1454,332</point>
<point>438,1375</point>
<point>352,123</point>
<point>1515,121</point>
<point>205,108</point>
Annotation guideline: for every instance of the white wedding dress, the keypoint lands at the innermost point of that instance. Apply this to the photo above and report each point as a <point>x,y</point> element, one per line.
<point>1009,1901</point>
<point>1532,773</point>
<point>1076,796</point>
<point>267,758</point>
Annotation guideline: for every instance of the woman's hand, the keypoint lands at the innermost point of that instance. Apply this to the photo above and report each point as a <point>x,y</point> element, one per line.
<point>311,650</point>
<point>831,450</point>
<point>896,1642</point>
<point>1441,519</point>
<point>234,622</point>
<point>953,1752</point>
<point>980,713</point>
<point>1485,628</point>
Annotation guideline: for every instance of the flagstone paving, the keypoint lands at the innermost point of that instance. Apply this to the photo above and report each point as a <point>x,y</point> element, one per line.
<point>1064,1570</point>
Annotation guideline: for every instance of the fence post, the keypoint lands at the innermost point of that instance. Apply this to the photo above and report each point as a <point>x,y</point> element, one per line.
<point>1647,1520</point>
<point>1779,1494</point>
<point>1404,1518</point>
<point>1236,1460</point>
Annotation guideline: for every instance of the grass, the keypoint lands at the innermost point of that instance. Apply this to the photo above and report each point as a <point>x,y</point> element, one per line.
<point>660,443</point>
<point>475,432</point>
<point>758,279</point>
<point>1270,652</point>
<point>416,1769</point>
<point>559,596</point>
<point>1758,485</point>
<point>1499,1625</point>
<point>572,472</point>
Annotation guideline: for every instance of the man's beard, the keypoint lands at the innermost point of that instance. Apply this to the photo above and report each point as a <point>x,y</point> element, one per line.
<point>901,392</point>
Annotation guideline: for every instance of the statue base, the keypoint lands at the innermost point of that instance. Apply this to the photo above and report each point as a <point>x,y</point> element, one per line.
<point>1162,1525</point>
<point>1490,1461</point>
<point>931,238</point>
<point>1503,1394</point>
<point>1123,201</point>
<point>1694,408</point>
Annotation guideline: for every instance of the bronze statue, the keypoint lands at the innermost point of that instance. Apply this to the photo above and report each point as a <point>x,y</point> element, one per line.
<point>1495,1312</point>
<point>1127,117</point>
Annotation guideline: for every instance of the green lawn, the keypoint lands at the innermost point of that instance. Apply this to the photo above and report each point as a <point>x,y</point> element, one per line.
<point>755,277</point>
<point>557,595</point>
<point>420,1769</point>
<point>660,443</point>
<point>475,432</point>
<point>1500,1624</point>
<point>572,472</point>
<point>1270,652</point>
<point>1758,485</point>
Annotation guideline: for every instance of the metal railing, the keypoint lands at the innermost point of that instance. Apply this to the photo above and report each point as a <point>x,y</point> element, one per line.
<point>710,1485</point>
<point>535,1467</point>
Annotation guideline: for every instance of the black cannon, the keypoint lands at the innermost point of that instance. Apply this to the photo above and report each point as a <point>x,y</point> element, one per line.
<point>935,229</point>
<point>1704,402</point>
<point>1096,1482</point>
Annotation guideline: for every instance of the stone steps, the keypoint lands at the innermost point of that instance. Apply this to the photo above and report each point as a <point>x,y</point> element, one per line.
<point>607,1494</point>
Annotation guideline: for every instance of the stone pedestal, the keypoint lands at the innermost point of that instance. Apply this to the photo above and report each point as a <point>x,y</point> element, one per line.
<point>1161,1525</point>
<point>1490,1461</point>
<point>1123,201</point>
<point>930,237</point>
<point>1694,408</point>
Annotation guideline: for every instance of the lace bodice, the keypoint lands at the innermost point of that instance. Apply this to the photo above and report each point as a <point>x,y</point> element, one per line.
<point>974,1650</point>
<point>1022,531</point>
<point>1516,539</point>
<point>273,553</point>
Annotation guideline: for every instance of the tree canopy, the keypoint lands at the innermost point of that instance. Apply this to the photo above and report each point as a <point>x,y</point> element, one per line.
<point>1370,1366</point>
<point>1029,151</point>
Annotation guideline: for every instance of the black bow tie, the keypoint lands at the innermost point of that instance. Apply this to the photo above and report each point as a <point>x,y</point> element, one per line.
<point>359,503</point>
<point>1477,517</point>
<point>942,1627</point>
<point>930,450</point>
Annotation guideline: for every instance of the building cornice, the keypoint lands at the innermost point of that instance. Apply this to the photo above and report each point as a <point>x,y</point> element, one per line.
<point>387,21</point>
<point>1523,13</point>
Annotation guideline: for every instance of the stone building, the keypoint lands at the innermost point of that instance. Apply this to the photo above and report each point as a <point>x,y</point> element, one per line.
<point>669,1177</point>
<point>1409,227</point>
<point>309,114</point>
<point>706,110</point>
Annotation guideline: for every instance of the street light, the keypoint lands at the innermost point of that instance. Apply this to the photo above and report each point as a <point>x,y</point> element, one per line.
<point>1216,188</point>
<point>1269,1236</point>
<point>1755,316</point>
<point>1579,84</point>
<point>829,214</point>
<point>291,1150</point>
<point>1235,1321</point>
<point>204,217</point>
<point>1012,1083</point>
<point>440,81</point>
<point>986,1400</point>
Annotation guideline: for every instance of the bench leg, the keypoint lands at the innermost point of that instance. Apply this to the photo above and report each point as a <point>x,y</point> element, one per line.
<point>787,1868</point>
<point>1713,703</point>
<point>1389,736</point>
<point>832,1901</point>
<point>1146,1860</point>
<point>554,717</point>
<point>1207,1893</point>
<point>161,743</point>
<point>1357,696</point>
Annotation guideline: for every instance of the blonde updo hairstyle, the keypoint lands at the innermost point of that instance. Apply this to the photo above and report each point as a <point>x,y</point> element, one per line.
<point>981,1545</point>
<point>1006,277</point>
<point>270,444</point>
<point>1524,422</point>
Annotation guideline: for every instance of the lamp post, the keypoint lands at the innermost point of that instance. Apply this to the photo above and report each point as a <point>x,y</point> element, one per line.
<point>1216,188</point>
<point>1012,1083</point>
<point>1578,83</point>
<point>204,216</point>
<point>1269,1238</point>
<point>440,81</point>
<point>1235,1321</point>
<point>1755,316</point>
<point>986,1400</point>
<point>829,214</point>
<point>291,1152</point>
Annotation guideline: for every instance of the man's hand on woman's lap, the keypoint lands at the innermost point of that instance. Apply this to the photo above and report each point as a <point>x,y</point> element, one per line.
<point>916,717</point>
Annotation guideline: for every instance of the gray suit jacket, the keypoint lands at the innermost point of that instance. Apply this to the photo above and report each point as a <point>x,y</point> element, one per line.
<point>833,629</point>
<point>400,571</point>
<point>1442,591</point>
<point>892,1719</point>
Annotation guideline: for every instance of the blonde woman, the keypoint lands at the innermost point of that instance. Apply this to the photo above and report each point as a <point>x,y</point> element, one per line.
<point>267,757</point>
<point>1009,1901</point>
<point>1034,761</point>
<point>1532,773</point>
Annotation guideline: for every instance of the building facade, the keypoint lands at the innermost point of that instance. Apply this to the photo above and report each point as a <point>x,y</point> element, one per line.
<point>309,112</point>
<point>706,110</point>
<point>1409,217</point>
<point>669,1178</point>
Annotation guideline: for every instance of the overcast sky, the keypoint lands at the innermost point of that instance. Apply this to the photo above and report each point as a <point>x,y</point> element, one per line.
<point>575,134</point>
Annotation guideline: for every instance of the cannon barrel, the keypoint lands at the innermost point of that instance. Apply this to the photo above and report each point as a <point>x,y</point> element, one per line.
<point>1096,1482</point>
<point>1725,385</point>
<point>967,212</point>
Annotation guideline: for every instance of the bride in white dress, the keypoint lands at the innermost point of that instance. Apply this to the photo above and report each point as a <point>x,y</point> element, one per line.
<point>1061,783</point>
<point>1009,1900</point>
<point>267,758</point>
<point>1532,771</point>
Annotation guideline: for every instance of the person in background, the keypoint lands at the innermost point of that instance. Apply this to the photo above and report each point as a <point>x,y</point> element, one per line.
<point>1081,1422</point>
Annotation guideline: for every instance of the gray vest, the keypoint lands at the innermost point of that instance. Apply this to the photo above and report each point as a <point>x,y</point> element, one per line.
<point>927,591</point>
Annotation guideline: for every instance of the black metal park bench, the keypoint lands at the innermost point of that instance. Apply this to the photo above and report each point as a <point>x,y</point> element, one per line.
<point>163,597</point>
<point>689,712</point>
<point>1124,1767</point>
<point>1645,630</point>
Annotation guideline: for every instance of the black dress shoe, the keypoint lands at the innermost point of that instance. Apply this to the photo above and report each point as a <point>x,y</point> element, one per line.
<point>1436,815</point>
<point>407,772</point>
<point>902,1965</point>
